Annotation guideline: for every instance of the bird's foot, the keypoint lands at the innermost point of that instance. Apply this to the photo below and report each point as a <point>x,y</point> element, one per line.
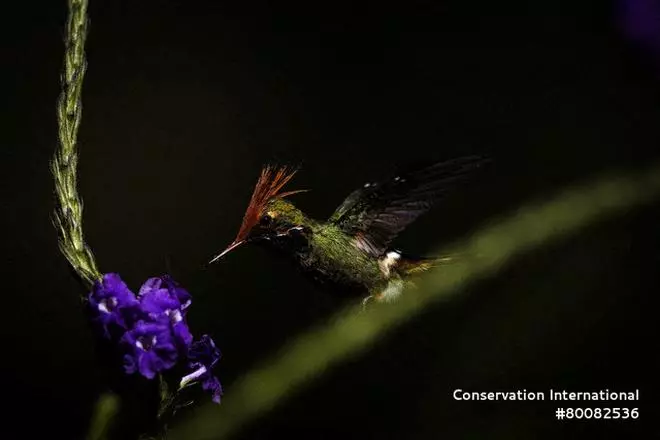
<point>366,301</point>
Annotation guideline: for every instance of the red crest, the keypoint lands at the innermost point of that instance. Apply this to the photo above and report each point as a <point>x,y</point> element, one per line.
<point>271,181</point>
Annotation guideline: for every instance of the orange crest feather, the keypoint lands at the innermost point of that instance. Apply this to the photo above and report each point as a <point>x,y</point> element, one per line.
<point>271,181</point>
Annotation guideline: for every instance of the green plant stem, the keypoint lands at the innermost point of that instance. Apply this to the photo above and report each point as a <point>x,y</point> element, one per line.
<point>68,211</point>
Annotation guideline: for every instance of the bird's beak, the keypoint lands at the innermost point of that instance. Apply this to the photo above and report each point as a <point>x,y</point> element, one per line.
<point>230,248</point>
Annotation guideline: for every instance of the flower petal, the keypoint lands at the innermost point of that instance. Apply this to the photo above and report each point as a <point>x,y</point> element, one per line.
<point>181,294</point>
<point>146,365</point>
<point>111,303</point>
<point>213,385</point>
<point>129,364</point>
<point>182,334</point>
<point>150,285</point>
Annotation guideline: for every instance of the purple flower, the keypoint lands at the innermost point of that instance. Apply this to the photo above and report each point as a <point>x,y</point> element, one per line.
<point>151,348</point>
<point>185,299</point>
<point>164,305</point>
<point>112,303</point>
<point>212,385</point>
<point>154,300</point>
<point>155,332</point>
<point>202,357</point>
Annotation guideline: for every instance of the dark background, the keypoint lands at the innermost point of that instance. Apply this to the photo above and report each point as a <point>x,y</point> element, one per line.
<point>185,100</point>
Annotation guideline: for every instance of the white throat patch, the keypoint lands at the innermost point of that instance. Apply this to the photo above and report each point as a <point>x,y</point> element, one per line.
<point>388,261</point>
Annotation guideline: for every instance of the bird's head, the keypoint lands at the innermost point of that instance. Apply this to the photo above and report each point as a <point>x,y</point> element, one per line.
<point>268,216</point>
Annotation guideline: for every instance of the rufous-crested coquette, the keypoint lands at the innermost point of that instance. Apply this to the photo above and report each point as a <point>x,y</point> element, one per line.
<point>350,251</point>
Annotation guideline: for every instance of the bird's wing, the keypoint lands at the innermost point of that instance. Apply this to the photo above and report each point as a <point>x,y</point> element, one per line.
<point>377,212</point>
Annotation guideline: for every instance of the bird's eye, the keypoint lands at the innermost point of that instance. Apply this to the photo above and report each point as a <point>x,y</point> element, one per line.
<point>265,220</point>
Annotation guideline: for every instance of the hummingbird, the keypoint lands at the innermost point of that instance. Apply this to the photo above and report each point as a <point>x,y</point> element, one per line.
<point>350,251</point>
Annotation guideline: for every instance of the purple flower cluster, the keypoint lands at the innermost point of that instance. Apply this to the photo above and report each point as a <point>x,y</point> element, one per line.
<point>202,357</point>
<point>151,329</point>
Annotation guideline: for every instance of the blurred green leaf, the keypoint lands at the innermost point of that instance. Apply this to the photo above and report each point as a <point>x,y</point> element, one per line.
<point>105,411</point>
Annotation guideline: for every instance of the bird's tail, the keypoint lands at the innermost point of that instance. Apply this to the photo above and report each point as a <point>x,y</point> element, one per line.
<point>415,265</point>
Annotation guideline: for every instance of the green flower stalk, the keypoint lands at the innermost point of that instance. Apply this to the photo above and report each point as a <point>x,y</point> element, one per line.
<point>68,212</point>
